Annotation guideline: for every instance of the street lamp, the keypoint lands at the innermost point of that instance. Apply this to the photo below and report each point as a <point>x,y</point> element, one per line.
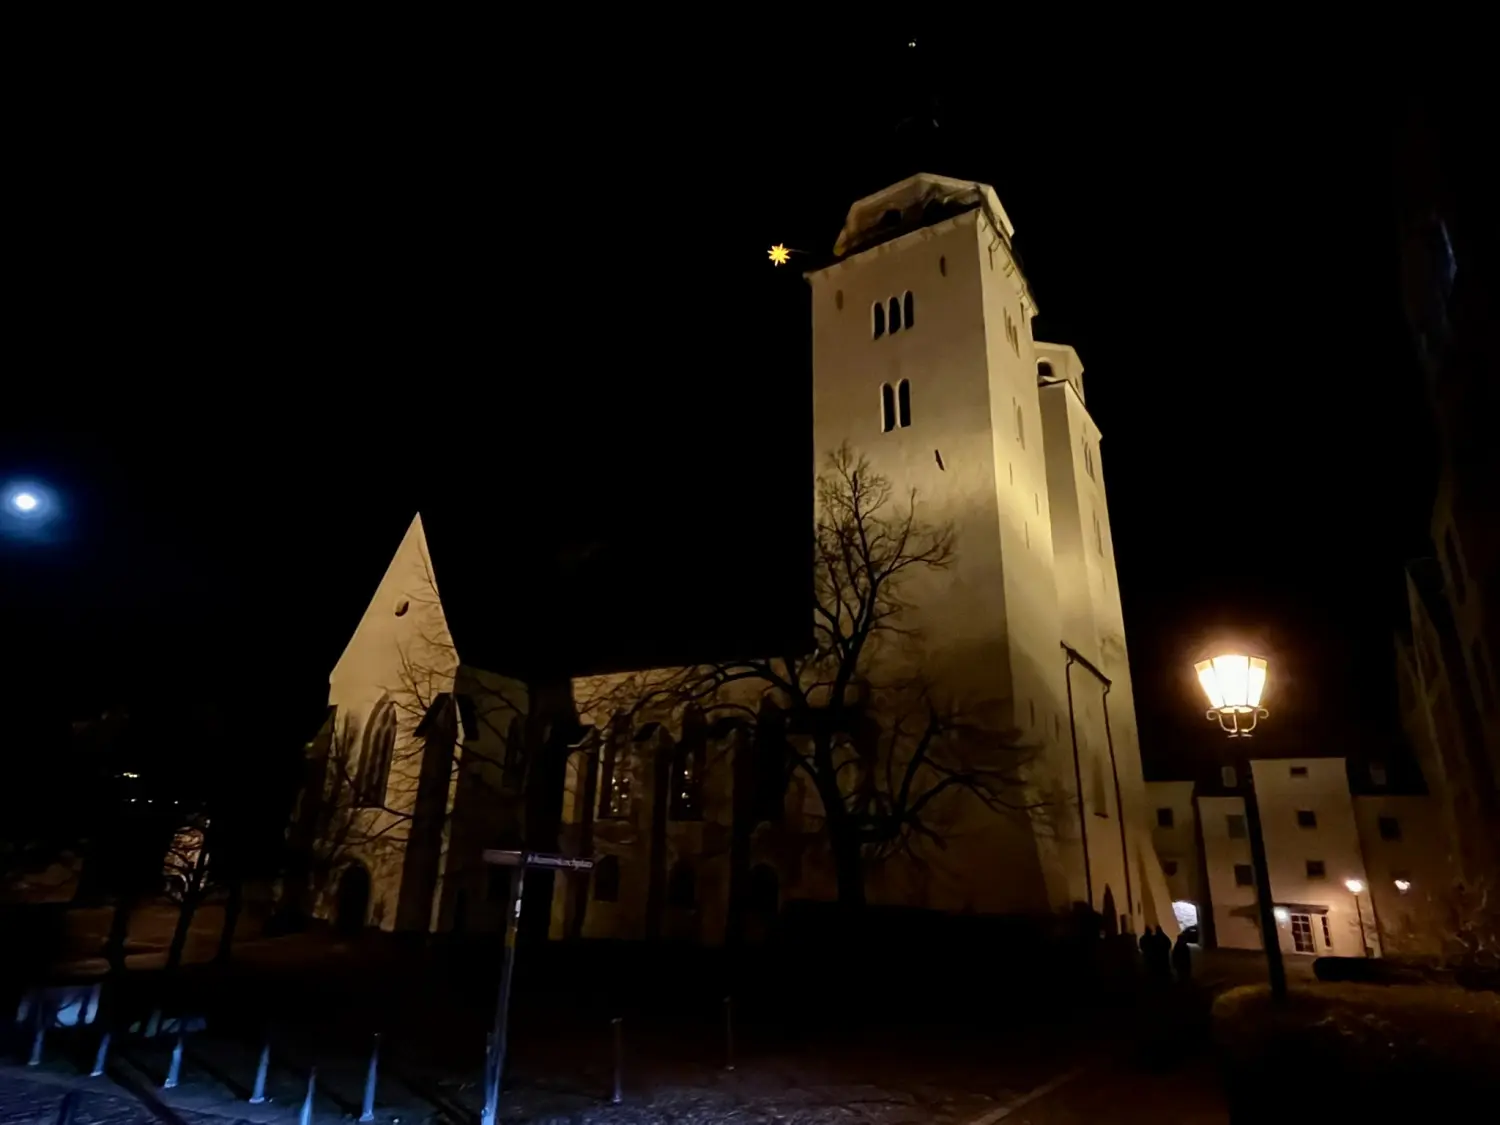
<point>1234,685</point>
<point>1356,888</point>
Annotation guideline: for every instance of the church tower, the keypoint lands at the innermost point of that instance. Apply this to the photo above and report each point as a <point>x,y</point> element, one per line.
<point>924,363</point>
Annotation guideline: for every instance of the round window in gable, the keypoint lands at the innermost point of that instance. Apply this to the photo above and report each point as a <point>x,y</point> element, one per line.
<point>401,607</point>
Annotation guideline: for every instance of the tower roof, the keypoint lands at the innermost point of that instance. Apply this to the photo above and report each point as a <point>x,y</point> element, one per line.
<point>916,202</point>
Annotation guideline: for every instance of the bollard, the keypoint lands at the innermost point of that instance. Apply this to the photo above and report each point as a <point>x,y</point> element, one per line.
<point>174,1069</point>
<point>619,1094</point>
<point>101,1056</point>
<point>258,1095</point>
<point>305,1117</point>
<point>66,1107</point>
<point>367,1112</point>
<point>38,1037</point>
<point>728,1033</point>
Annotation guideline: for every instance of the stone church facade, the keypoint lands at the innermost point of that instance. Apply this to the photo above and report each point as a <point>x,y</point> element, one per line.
<point>923,363</point>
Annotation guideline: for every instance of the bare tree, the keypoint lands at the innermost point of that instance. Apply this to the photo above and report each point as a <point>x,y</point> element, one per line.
<point>886,749</point>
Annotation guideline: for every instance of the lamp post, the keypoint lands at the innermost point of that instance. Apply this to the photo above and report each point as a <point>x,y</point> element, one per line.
<point>1356,887</point>
<point>1234,685</point>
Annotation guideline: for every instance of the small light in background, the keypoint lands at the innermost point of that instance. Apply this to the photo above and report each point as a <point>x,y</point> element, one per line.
<point>780,255</point>
<point>25,501</point>
<point>1282,913</point>
<point>1356,886</point>
<point>1403,885</point>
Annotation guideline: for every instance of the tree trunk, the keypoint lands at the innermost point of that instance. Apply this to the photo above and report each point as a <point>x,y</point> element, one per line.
<point>180,932</point>
<point>119,932</point>
<point>232,910</point>
<point>848,865</point>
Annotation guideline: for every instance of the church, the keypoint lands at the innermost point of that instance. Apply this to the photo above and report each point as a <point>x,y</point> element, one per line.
<point>927,385</point>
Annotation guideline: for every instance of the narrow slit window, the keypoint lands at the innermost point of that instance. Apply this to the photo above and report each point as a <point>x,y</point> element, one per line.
<point>903,403</point>
<point>895,316</point>
<point>887,408</point>
<point>909,307</point>
<point>878,312</point>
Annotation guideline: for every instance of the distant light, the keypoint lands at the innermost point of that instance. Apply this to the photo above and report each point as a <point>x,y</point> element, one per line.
<point>911,43</point>
<point>1356,886</point>
<point>780,255</point>
<point>1282,914</point>
<point>1403,885</point>
<point>127,773</point>
<point>25,501</point>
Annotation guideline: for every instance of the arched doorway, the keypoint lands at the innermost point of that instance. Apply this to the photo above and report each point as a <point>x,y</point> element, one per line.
<point>353,908</point>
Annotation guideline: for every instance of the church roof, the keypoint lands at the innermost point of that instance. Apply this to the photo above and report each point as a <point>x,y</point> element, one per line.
<point>916,202</point>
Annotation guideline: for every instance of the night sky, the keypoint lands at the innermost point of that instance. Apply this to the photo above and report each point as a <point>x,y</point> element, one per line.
<point>264,331</point>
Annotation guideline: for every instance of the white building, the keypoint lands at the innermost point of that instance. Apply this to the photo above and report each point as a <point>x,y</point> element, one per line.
<point>1319,837</point>
<point>924,363</point>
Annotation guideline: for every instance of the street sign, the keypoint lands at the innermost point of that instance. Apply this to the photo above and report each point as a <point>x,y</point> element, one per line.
<point>519,862</point>
<point>505,858</point>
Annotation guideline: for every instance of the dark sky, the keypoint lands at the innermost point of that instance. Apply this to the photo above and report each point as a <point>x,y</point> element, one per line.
<point>265,325</point>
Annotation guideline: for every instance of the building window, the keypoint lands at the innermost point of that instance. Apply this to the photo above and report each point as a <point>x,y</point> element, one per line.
<point>909,307</point>
<point>401,607</point>
<point>1235,822</point>
<point>1307,818</point>
<point>682,886</point>
<point>607,880</point>
<point>1164,818</point>
<point>895,318</point>
<point>1302,939</point>
<point>375,759</point>
<point>1098,535</point>
<point>1228,777</point>
<point>903,403</point>
<point>1088,460</point>
<point>1044,372</point>
<point>887,408</point>
<point>1244,875</point>
<point>1390,828</point>
<point>1299,771</point>
<point>838,299</point>
<point>689,764</point>
<point>1327,936</point>
<point>877,312</point>
<point>1169,867</point>
<point>468,718</point>
<point>1020,426</point>
<point>943,266</point>
<point>1316,869</point>
<point>1377,773</point>
<point>1455,566</point>
<point>614,781</point>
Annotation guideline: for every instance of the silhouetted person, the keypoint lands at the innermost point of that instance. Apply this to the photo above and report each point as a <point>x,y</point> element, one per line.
<point>1182,960</point>
<point>1156,951</point>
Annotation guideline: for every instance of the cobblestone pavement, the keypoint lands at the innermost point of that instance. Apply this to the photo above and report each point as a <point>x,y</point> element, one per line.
<point>33,1099</point>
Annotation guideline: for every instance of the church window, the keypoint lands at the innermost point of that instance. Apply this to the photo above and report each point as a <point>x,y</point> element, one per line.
<point>1088,460</point>
<point>375,761</point>
<point>1098,534</point>
<point>689,764</point>
<point>943,266</point>
<point>401,607</point>
<point>1044,371</point>
<point>1020,426</point>
<point>887,408</point>
<point>607,880</point>
<point>838,299</point>
<point>878,312</point>
<point>614,782</point>
<point>895,317</point>
<point>909,307</point>
<point>903,403</point>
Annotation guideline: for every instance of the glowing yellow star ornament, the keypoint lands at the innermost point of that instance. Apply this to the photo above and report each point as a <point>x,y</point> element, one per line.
<point>780,255</point>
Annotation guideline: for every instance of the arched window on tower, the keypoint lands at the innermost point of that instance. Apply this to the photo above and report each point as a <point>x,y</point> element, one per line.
<point>375,758</point>
<point>895,316</point>
<point>877,312</point>
<point>910,308</point>
<point>689,763</point>
<point>614,776</point>
<point>903,403</point>
<point>1044,371</point>
<point>887,408</point>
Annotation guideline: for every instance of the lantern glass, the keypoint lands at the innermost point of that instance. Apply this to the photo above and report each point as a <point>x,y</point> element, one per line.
<point>1233,683</point>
